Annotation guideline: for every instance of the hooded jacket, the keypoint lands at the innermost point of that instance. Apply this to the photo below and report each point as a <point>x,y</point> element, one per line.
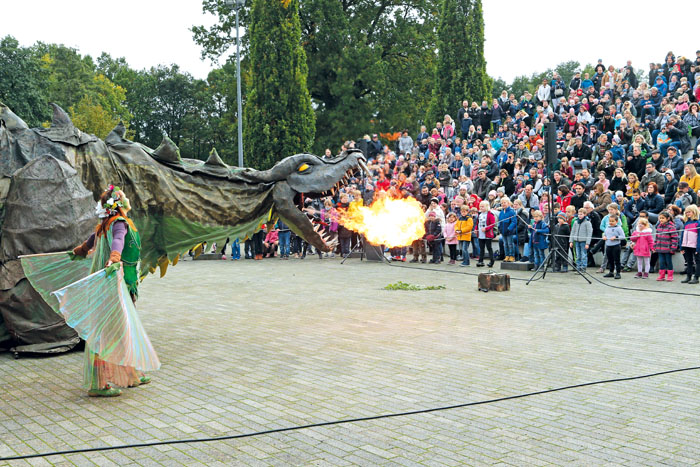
<point>507,222</point>
<point>581,230</point>
<point>538,237</point>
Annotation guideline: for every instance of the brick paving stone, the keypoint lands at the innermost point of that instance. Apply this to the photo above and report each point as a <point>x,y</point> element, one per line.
<point>251,346</point>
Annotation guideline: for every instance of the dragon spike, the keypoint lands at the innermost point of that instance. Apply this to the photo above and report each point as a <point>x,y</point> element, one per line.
<point>60,117</point>
<point>11,121</point>
<point>120,129</point>
<point>176,259</point>
<point>197,250</point>
<point>214,160</point>
<point>163,265</point>
<point>152,270</point>
<point>167,151</point>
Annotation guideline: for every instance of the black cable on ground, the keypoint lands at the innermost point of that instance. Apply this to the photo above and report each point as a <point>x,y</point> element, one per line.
<point>349,420</point>
<point>635,289</point>
<point>465,273</point>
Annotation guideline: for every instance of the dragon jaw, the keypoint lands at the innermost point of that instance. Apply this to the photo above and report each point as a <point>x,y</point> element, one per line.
<point>289,195</point>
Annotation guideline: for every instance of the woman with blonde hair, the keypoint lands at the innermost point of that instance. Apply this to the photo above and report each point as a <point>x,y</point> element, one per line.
<point>691,177</point>
<point>632,184</point>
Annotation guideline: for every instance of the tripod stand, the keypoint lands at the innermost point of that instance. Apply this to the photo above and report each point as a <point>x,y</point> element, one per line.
<point>360,245</point>
<point>554,253</point>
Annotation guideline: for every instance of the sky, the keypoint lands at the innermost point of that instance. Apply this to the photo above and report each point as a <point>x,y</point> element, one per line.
<point>152,32</point>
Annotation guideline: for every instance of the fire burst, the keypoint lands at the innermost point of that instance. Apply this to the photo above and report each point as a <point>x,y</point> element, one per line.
<point>389,222</point>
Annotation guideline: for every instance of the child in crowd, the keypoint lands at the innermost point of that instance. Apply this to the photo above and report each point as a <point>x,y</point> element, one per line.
<point>271,241</point>
<point>643,244</point>
<point>507,225</point>
<point>523,235</point>
<point>463,229</point>
<point>613,210</point>
<point>235,250</point>
<point>485,223</point>
<point>580,238</point>
<point>474,213</point>
<point>663,137</point>
<point>560,242</point>
<point>451,236</point>
<point>689,244</point>
<point>329,218</point>
<point>666,245</point>
<point>433,235</point>
<point>538,237</point>
<point>613,236</point>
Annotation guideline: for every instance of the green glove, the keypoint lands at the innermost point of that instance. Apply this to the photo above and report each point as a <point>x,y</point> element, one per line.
<point>112,268</point>
<point>74,257</point>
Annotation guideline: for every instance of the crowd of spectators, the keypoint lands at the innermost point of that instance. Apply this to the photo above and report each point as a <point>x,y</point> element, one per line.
<point>626,170</point>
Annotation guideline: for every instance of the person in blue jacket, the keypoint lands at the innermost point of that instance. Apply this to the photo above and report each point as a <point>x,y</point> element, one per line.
<point>507,225</point>
<point>538,237</point>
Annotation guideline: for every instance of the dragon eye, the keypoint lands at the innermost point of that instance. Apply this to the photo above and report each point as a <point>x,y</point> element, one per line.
<point>303,168</point>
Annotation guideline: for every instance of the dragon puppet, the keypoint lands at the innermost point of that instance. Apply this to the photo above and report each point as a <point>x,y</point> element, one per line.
<point>50,179</point>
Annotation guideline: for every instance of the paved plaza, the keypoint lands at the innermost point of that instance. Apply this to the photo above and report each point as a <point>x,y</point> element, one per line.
<point>250,346</point>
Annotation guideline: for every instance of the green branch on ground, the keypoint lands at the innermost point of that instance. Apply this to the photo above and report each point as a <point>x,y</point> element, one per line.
<point>406,286</point>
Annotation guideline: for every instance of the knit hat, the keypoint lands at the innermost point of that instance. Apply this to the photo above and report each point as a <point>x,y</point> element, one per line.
<point>492,193</point>
<point>561,215</point>
<point>435,200</point>
<point>432,214</point>
<point>619,193</point>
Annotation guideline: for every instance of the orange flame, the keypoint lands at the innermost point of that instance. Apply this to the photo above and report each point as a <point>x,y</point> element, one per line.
<point>390,136</point>
<point>389,222</point>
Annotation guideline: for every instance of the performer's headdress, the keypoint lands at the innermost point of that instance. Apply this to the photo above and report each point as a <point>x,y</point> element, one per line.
<point>112,204</point>
<point>109,203</point>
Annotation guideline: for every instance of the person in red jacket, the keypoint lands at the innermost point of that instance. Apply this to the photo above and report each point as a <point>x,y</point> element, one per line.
<point>485,232</point>
<point>565,196</point>
<point>383,183</point>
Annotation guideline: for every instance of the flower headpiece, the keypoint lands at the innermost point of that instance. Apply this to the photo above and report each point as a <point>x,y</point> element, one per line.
<point>114,202</point>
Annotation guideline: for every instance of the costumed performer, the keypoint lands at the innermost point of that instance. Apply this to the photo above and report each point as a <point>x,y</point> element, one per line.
<point>115,242</point>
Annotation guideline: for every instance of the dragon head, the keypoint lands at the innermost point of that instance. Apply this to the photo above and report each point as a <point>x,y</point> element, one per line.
<point>305,176</point>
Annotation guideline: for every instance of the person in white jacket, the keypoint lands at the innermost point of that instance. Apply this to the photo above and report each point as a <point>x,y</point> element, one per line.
<point>544,91</point>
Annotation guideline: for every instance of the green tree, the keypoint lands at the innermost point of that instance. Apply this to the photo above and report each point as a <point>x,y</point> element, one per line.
<point>370,62</point>
<point>279,120</point>
<point>499,85</point>
<point>460,73</point>
<point>101,108</point>
<point>520,85</point>
<point>22,82</point>
<point>221,110</point>
<point>69,75</point>
<point>567,70</point>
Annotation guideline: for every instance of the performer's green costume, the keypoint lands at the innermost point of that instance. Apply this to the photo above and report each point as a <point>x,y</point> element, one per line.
<point>99,304</point>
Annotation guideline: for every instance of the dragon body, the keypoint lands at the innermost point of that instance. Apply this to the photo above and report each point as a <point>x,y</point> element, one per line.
<point>51,178</point>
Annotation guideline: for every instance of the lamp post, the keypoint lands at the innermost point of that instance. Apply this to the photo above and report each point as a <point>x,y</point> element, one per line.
<point>237,5</point>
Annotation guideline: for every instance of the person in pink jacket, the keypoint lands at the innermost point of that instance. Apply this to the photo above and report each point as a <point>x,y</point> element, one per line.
<point>270,243</point>
<point>643,244</point>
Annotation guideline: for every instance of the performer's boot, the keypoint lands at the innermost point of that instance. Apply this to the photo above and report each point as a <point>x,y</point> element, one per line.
<point>143,379</point>
<point>108,391</point>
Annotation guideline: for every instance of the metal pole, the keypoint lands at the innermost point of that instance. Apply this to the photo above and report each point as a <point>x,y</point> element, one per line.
<point>238,90</point>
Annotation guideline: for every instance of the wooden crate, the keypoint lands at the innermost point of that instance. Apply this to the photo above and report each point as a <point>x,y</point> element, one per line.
<point>494,281</point>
